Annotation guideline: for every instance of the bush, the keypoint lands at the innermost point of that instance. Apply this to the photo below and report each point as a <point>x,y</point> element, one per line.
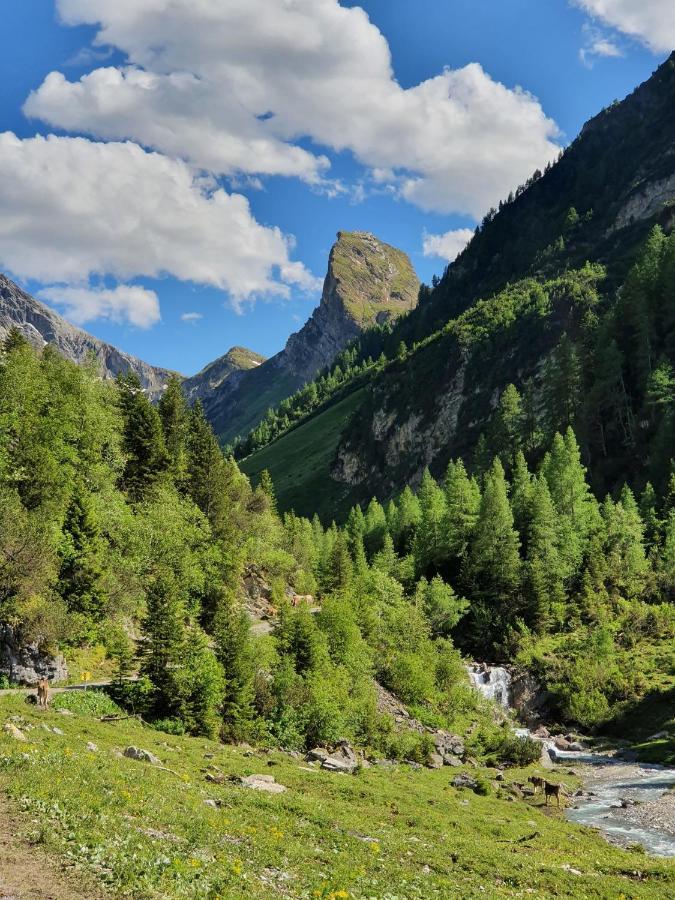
<point>410,678</point>
<point>518,751</point>
<point>87,703</point>
<point>5,683</point>
<point>170,726</point>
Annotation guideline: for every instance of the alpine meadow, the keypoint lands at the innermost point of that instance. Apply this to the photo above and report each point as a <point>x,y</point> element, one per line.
<point>383,609</point>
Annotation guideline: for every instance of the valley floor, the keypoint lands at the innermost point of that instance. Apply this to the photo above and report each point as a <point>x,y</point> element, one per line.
<point>183,829</point>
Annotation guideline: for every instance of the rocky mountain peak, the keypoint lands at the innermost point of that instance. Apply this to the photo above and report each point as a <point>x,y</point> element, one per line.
<point>41,325</point>
<point>212,376</point>
<point>371,280</point>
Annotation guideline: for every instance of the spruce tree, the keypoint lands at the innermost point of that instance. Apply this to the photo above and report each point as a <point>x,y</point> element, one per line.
<point>429,541</point>
<point>544,571</point>
<point>143,440</point>
<point>462,502</point>
<point>234,650</point>
<point>164,643</point>
<point>174,413</point>
<point>81,580</point>
<point>493,568</point>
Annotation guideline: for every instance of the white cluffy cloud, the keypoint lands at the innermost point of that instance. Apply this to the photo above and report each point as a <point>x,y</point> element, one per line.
<point>234,88</point>
<point>73,209</point>
<point>650,21</point>
<point>129,303</point>
<point>191,317</point>
<point>447,246</point>
<point>597,44</point>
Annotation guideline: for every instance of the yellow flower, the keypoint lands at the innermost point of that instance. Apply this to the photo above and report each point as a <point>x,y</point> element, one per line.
<point>375,848</point>
<point>236,867</point>
<point>194,863</point>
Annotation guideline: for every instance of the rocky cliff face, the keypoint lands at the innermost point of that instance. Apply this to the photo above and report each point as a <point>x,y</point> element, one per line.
<point>41,325</point>
<point>367,282</point>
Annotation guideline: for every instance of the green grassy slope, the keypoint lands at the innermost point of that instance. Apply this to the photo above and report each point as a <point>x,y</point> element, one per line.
<point>299,462</point>
<point>147,832</point>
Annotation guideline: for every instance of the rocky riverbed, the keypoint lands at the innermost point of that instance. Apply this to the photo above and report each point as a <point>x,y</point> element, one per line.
<point>630,803</point>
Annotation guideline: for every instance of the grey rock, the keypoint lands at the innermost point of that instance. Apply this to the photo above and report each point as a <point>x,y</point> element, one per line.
<point>435,761</point>
<point>141,755</point>
<point>25,663</point>
<point>341,759</point>
<point>261,783</point>
<point>450,760</point>
<point>464,781</point>
<point>11,729</point>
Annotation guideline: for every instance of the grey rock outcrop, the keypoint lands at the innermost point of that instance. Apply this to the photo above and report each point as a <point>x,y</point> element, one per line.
<point>41,326</point>
<point>26,663</point>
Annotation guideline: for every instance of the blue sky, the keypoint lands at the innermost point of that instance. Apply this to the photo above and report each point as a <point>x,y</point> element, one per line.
<point>246,152</point>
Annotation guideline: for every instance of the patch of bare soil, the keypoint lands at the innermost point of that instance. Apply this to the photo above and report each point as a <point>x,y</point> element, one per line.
<point>27,872</point>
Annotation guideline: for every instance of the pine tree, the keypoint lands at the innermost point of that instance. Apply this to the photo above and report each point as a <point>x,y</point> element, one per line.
<point>206,471</point>
<point>544,569</point>
<point>164,644</point>
<point>143,440</point>
<point>462,502</point>
<point>493,566</point>
<point>429,541</point>
<point>574,503</point>
<point>408,515</point>
<point>81,580</point>
<point>507,426</point>
<point>231,632</point>
<point>561,387</point>
<point>442,607</point>
<point>174,413</point>
<point>521,495</point>
<point>375,528</point>
<point>624,546</point>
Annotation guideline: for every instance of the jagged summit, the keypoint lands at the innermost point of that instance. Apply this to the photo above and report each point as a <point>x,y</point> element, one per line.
<point>367,282</point>
<point>41,325</point>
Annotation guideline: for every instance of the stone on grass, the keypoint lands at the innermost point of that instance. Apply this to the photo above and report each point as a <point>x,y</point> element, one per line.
<point>14,732</point>
<point>260,783</point>
<point>92,747</point>
<point>464,781</point>
<point>435,761</point>
<point>341,759</point>
<point>141,755</point>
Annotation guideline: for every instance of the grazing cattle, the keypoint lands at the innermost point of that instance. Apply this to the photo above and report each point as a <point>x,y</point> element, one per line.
<point>43,693</point>
<point>537,782</point>
<point>553,790</point>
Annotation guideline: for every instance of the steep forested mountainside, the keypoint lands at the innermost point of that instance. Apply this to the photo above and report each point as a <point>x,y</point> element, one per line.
<point>41,325</point>
<point>368,282</point>
<point>522,306</point>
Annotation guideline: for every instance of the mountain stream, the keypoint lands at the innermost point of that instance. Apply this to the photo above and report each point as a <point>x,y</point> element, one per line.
<point>630,802</point>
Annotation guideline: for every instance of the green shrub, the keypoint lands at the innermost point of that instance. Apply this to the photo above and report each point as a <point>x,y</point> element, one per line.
<point>5,683</point>
<point>87,703</point>
<point>170,726</point>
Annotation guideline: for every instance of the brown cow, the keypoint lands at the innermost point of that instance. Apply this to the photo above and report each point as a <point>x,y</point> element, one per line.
<point>43,693</point>
<point>553,790</point>
<point>537,782</point>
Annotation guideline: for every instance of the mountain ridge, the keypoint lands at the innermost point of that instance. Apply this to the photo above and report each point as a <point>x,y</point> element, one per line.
<point>41,325</point>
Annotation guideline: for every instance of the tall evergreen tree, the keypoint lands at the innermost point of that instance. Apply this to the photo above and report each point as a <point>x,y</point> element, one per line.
<point>81,580</point>
<point>174,413</point>
<point>143,440</point>
<point>429,541</point>
<point>544,569</point>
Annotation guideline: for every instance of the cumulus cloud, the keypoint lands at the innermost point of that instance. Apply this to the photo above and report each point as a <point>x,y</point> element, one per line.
<point>447,246</point>
<point>650,21</point>
<point>597,44</point>
<point>124,303</point>
<point>73,208</point>
<point>234,87</point>
<point>191,317</point>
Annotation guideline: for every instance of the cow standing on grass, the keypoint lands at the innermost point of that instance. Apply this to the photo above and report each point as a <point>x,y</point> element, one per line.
<point>43,693</point>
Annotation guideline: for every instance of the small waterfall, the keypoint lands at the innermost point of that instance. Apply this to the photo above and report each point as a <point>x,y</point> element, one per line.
<point>493,682</point>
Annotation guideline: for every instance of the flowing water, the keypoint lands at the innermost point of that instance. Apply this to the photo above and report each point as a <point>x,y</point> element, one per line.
<point>631,803</point>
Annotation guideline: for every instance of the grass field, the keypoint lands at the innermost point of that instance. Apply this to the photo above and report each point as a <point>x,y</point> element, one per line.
<point>146,832</point>
<point>299,461</point>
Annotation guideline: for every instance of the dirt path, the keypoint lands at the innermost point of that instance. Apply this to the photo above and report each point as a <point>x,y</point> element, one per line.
<point>28,873</point>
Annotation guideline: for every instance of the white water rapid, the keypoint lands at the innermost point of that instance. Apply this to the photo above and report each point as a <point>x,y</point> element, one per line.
<point>631,803</point>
